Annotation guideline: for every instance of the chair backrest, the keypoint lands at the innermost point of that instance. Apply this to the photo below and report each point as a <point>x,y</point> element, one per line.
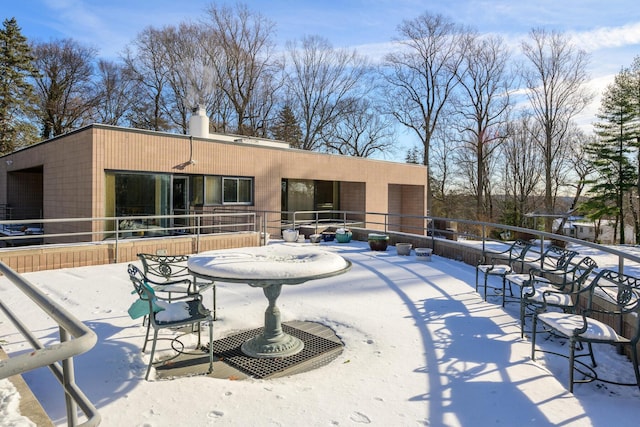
<point>518,253</point>
<point>614,294</point>
<point>147,303</point>
<point>138,280</point>
<point>164,268</point>
<point>575,278</point>
<point>557,258</point>
<point>519,249</point>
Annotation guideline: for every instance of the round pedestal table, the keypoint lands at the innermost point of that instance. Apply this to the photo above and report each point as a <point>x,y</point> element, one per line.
<point>269,267</point>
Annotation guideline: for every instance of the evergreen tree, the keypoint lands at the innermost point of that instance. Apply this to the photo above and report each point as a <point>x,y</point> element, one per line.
<point>413,156</point>
<point>16,93</point>
<point>632,86</point>
<point>611,155</point>
<point>286,127</point>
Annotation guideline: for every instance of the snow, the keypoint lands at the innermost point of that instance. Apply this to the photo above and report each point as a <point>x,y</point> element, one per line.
<point>421,349</point>
<point>172,311</point>
<point>285,261</point>
<point>9,401</point>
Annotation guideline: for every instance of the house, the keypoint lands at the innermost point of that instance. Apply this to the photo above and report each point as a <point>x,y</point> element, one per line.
<point>587,231</point>
<point>106,171</point>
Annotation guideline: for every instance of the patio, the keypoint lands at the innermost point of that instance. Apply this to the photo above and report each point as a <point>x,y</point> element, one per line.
<point>420,348</point>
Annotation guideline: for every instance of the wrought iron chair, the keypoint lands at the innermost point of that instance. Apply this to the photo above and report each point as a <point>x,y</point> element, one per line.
<point>162,314</point>
<point>560,290</point>
<point>611,296</point>
<point>554,261</point>
<point>170,274</point>
<point>502,263</point>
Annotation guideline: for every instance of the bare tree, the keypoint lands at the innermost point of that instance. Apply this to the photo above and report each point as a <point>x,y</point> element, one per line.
<point>451,170</point>
<point>362,132</point>
<point>422,73</point>
<point>522,170</point>
<point>484,104</point>
<point>245,42</point>
<point>115,93</point>
<point>194,56</point>
<point>64,89</point>
<point>264,103</point>
<point>554,82</point>
<point>320,83</point>
<point>577,169</point>
<point>186,72</point>
<point>147,61</point>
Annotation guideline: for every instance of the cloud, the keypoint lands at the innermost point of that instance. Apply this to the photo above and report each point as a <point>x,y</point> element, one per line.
<point>608,37</point>
<point>73,19</point>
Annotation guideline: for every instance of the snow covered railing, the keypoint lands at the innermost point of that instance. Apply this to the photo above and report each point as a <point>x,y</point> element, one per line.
<point>58,357</point>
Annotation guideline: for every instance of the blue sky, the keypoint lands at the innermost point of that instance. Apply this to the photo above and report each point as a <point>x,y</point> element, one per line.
<point>608,30</point>
<point>109,25</point>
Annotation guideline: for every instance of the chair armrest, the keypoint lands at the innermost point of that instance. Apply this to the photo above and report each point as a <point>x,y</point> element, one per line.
<point>529,288</point>
<point>190,285</point>
<point>168,282</point>
<point>546,293</point>
<point>499,258</point>
<point>183,297</point>
<point>540,271</point>
<point>585,324</point>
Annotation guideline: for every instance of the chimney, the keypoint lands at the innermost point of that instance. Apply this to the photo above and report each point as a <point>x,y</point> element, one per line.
<point>199,123</point>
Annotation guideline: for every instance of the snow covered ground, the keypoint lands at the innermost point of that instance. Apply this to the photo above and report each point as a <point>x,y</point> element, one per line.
<point>421,349</point>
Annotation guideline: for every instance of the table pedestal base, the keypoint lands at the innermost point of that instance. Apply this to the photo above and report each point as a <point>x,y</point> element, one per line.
<point>261,347</point>
<point>273,342</point>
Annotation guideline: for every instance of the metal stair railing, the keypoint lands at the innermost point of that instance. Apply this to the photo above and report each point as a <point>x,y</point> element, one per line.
<point>58,357</point>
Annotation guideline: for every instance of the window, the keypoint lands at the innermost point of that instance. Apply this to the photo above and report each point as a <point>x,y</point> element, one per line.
<point>309,195</point>
<point>212,190</point>
<point>156,194</point>
<point>237,190</point>
<point>197,190</point>
<point>138,194</point>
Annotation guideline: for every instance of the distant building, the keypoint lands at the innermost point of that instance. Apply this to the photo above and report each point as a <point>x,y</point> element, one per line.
<point>587,231</point>
<point>107,171</point>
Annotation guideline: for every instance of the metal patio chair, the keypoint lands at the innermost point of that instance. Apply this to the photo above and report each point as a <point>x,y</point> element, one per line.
<point>170,274</point>
<point>562,292</point>
<point>554,262</point>
<point>180,312</point>
<point>611,296</point>
<point>500,264</point>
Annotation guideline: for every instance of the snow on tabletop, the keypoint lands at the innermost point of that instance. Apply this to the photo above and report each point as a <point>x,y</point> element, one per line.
<point>267,262</point>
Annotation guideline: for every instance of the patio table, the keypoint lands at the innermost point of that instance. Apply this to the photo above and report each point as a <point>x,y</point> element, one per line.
<point>269,267</point>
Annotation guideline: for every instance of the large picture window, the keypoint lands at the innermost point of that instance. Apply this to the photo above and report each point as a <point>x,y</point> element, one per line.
<point>163,194</point>
<point>139,194</point>
<point>309,195</point>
